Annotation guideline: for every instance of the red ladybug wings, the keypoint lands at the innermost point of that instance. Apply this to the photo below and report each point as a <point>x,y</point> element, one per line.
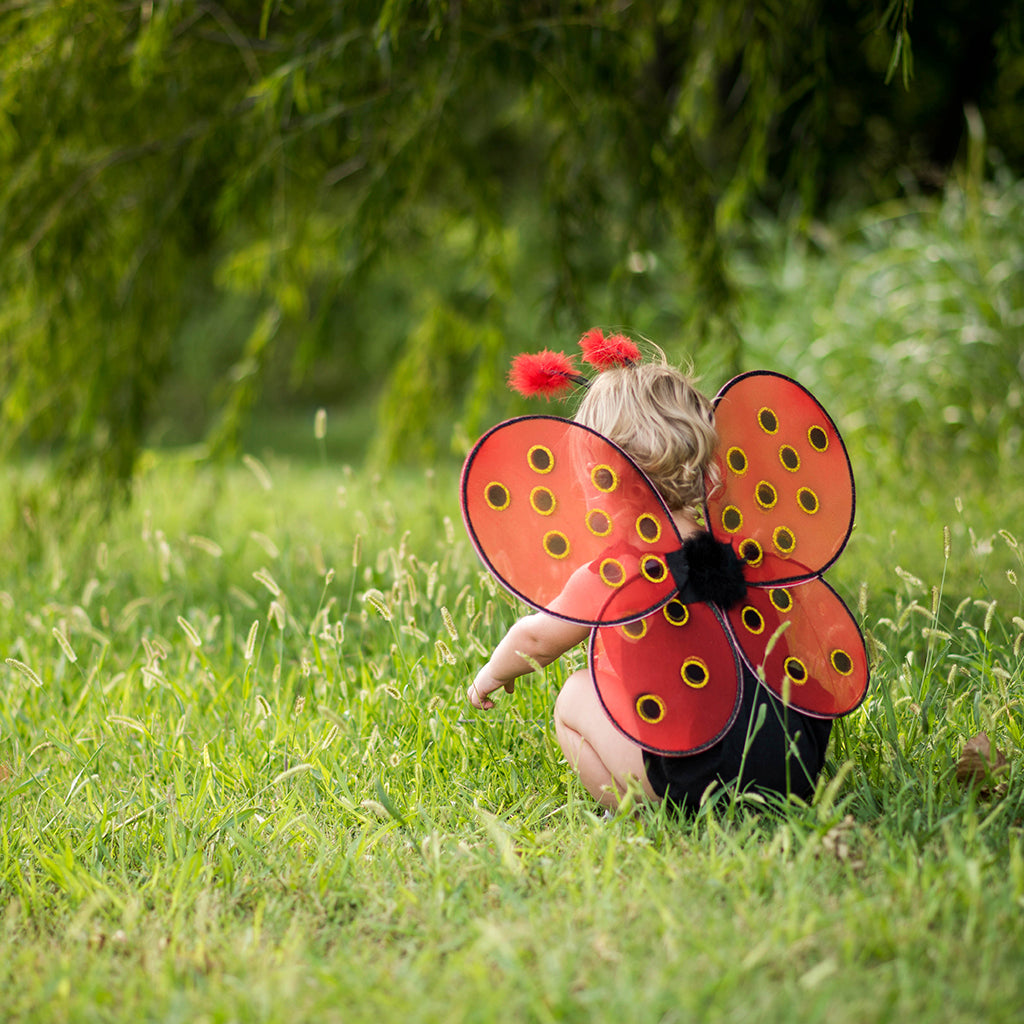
<point>567,522</point>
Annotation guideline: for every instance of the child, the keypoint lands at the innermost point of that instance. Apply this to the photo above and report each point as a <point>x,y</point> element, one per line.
<point>653,412</point>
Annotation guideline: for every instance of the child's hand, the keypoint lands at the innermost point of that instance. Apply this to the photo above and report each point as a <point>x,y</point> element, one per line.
<point>485,684</point>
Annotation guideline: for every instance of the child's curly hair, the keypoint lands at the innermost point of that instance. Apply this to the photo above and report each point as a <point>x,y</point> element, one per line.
<point>653,411</point>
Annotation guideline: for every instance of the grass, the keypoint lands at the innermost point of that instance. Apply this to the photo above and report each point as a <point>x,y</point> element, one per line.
<point>239,781</point>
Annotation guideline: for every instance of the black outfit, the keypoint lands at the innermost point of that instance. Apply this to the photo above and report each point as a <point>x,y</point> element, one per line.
<point>785,734</point>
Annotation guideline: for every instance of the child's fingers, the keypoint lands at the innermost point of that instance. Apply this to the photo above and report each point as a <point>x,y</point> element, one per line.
<point>479,695</point>
<point>478,698</point>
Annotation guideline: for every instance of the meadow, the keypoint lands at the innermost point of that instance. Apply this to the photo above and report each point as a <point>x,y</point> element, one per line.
<point>239,779</point>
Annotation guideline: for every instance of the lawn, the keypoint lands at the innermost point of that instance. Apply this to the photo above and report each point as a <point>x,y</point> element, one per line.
<point>239,781</point>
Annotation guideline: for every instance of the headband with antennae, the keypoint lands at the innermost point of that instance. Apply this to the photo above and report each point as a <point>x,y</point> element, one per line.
<point>553,373</point>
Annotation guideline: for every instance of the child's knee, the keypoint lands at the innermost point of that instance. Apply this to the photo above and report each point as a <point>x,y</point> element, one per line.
<point>570,697</point>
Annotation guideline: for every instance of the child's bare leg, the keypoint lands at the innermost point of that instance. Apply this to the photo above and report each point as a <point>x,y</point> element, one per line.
<point>605,760</point>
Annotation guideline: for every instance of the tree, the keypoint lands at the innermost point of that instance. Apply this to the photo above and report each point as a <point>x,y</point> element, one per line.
<point>153,153</point>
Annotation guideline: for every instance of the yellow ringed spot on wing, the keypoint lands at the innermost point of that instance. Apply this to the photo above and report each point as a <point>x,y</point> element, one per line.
<point>781,599</point>
<point>695,673</point>
<point>648,528</point>
<point>767,420</point>
<point>676,613</point>
<point>497,496</point>
<point>543,501</point>
<point>540,459</point>
<point>732,519</point>
<point>765,495</point>
<point>556,544</point>
<point>752,619</point>
<point>736,460</point>
<point>841,662</point>
<point>604,478</point>
<point>635,630</point>
<point>817,436</point>
<point>796,671</point>
<point>784,540</point>
<point>599,523</point>
<point>751,552</point>
<point>612,573</point>
<point>789,457</point>
<point>653,568</point>
<point>650,708</point>
<point>807,500</point>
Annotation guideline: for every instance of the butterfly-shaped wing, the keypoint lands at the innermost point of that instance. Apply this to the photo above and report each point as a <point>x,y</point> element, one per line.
<point>567,521</point>
<point>817,662</point>
<point>670,681</point>
<point>785,501</point>
<point>785,498</point>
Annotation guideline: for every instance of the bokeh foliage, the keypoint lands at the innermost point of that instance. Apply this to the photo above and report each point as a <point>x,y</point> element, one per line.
<point>383,196</point>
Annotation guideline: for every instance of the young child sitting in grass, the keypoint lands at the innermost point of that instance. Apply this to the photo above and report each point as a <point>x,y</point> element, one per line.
<point>655,414</point>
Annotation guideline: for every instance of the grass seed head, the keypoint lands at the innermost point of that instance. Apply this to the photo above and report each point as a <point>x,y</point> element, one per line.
<point>266,543</point>
<point>189,630</point>
<point>263,576</point>
<point>375,599</point>
<point>259,471</point>
<point>65,645</point>
<point>212,548</point>
<point>908,577</point>
<point>250,640</point>
<point>24,669</point>
<point>449,625</point>
<point>275,614</point>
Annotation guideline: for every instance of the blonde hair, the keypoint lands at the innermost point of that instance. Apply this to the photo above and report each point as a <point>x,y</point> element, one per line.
<point>653,411</point>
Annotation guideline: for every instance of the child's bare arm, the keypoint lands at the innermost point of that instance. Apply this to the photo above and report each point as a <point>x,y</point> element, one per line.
<point>537,639</point>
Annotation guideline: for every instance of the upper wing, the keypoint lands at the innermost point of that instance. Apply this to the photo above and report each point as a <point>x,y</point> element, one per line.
<point>805,646</point>
<point>670,681</point>
<point>786,497</point>
<point>567,521</point>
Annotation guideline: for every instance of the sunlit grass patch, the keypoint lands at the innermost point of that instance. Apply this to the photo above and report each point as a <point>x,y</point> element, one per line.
<point>239,778</point>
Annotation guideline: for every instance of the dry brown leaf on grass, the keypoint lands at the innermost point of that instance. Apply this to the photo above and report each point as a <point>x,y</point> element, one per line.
<point>843,841</point>
<point>5,772</point>
<point>980,764</point>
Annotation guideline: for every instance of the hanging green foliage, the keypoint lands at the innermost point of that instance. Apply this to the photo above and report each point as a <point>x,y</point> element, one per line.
<point>158,157</point>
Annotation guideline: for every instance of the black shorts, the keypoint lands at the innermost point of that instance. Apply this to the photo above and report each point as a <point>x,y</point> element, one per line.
<point>785,736</point>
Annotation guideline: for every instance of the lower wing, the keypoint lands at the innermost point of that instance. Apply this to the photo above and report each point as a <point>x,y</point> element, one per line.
<point>670,681</point>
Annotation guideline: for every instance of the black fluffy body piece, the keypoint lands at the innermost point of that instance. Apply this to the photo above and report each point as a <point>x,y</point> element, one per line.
<point>705,569</point>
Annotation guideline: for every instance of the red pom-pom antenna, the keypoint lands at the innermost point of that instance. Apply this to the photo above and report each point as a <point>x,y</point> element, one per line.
<point>602,352</point>
<point>543,373</point>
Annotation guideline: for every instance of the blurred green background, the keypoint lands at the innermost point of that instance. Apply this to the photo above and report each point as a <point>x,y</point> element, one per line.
<point>217,218</point>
